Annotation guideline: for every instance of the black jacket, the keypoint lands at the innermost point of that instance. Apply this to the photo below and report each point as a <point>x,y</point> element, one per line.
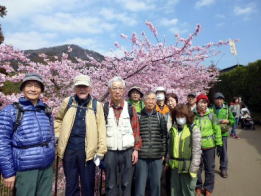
<point>153,132</point>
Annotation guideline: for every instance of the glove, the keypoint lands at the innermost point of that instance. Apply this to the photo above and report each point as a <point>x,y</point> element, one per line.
<point>219,151</point>
<point>97,160</point>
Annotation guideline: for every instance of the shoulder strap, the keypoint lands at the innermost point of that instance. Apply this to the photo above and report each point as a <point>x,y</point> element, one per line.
<point>210,116</point>
<point>106,111</point>
<point>69,104</point>
<point>94,105</point>
<point>191,127</point>
<point>19,115</point>
<point>130,110</point>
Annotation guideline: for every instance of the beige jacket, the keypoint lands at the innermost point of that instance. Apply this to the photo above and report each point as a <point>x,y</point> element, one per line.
<point>95,141</point>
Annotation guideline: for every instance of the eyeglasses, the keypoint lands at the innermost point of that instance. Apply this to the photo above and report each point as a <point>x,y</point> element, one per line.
<point>117,88</point>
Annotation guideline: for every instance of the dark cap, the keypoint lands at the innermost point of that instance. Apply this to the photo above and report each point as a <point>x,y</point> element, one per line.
<point>192,95</point>
<point>135,88</point>
<point>32,77</point>
<point>219,95</point>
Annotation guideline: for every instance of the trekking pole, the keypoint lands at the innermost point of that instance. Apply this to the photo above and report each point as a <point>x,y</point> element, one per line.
<point>56,176</point>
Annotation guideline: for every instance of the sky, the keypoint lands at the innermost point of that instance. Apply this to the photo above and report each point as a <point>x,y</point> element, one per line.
<point>97,24</point>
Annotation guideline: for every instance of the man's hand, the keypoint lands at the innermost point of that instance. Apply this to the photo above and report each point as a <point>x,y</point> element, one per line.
<point>134,157</point>
<point>9,182</point>
<point>224,121</point>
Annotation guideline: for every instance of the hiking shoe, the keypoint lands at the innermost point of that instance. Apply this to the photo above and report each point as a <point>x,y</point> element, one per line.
<point>236,137</point>
<point>224,173</point>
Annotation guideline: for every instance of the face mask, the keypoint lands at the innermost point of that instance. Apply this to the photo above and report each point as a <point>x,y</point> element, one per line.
<point>160,96</point>
<point>181,121</point>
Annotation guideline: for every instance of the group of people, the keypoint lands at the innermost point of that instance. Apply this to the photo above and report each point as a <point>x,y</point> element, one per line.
<point>149,144</point>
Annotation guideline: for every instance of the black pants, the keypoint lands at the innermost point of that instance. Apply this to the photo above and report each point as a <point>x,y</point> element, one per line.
<point>76,167</point>
<point>208,161</point>
<point>119,171</point>
<point>223,155</point>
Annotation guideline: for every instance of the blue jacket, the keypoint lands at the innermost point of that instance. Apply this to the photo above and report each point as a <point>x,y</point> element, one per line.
<point>21,149</point>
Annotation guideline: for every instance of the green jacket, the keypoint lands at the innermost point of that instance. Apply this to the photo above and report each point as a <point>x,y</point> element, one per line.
<point>224,114</point>
<point>210,130</point>
<point>185,149</point>
<point>138,105</point>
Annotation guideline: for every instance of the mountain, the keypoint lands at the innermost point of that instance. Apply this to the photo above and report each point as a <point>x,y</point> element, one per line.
<point>58,50</point>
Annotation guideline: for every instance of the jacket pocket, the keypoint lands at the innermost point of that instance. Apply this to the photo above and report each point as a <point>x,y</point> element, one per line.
<point>127,140</point>
<point>109,137</point>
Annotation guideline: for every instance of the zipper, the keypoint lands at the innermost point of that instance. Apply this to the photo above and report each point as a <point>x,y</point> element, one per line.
<point>150,132</point>
<point>39,127</point>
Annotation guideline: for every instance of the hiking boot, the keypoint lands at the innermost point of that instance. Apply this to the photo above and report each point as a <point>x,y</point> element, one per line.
<point>208,193</point>
<point>224,173</point>
<point>198,192</point>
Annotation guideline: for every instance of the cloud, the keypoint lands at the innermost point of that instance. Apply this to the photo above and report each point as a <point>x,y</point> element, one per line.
<point>169,22</point>
<point>174,26</point>
<point>83,42</point>
<point>72,23</point>
<point>113,53</point>
<point>179,30</point>
<point>136,6</point>
<point>250,8</point>
<point>17,9</point>
<point>30,40</point>
<point>109,14</point>
<point>222,16</point>
<point>203,3</point>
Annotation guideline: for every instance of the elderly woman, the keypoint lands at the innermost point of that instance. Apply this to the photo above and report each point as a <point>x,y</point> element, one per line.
<point>184,152</point>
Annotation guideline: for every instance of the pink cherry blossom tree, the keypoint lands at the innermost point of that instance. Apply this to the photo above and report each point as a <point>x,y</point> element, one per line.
<point>179,67</point>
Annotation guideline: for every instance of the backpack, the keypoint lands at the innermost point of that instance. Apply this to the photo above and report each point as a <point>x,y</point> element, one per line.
<point>94,105</point>
<point>106,111</point>
<point>20,114</point>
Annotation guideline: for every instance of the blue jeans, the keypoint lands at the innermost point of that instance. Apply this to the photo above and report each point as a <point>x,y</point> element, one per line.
<point>119,171</point>
<point>208,161</point>
<point>75,166</point>
<point>233,130</point>
<point>150,169</point>
<point>223,155</point>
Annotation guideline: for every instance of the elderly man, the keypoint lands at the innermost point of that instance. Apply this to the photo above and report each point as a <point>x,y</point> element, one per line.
<point>123,140</point>
<point>153,131</point>
<point>226,121</point>
<point>80,126</point>
<point>27,141</point>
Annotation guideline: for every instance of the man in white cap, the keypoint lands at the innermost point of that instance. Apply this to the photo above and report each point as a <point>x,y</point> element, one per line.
<point>80,125</point>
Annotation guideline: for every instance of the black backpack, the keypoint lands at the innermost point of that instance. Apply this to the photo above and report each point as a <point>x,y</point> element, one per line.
<point>20,114</point>
<point>94,105</point>
<point>106,111</point>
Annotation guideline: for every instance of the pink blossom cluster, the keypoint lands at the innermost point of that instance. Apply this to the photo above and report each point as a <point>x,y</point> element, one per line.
<point>179,67</point>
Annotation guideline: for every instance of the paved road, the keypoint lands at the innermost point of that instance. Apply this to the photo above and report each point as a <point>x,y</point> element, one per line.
<point>244,166</point>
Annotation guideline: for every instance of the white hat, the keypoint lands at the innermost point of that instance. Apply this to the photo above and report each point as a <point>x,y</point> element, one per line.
<point>160,88</point>
<point>82,80</point>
